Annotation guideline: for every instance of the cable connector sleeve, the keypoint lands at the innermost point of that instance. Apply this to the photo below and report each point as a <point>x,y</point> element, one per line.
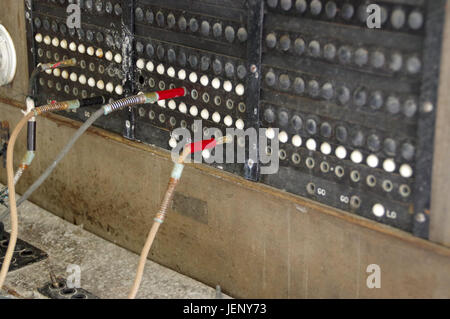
<point>31,136</point>
<point>202,145</point>
<point>28,159</point>
<point>171,94</point>
<point>177,171</point>
<point>73,104</point>
<point>30,106</point>
<point>154,97</point>
<point>62,64</point>
<point>92,101</point>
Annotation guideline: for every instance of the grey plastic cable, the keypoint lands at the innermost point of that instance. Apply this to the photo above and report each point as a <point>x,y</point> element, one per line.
<point>145,98</point>
<point>83,128</point>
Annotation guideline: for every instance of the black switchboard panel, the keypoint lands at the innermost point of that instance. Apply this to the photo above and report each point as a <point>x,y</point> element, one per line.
<point>209,47</point>
<point>352,107</point>
<point>102,48</point>
<point>351,103</point>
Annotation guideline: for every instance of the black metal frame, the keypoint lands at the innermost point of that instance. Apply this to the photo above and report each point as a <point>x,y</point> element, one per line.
<point>415,214</point>
<point>412,214</point>
<point>155,135</point>
<point>427,117</point>
<point>116,122</point>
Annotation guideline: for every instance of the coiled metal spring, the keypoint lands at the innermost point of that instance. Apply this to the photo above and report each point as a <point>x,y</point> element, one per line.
<point>52,107</point>
<point>161,215</point>
<point>125,102</point>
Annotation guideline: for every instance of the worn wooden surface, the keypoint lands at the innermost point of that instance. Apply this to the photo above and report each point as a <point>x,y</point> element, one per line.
<point>440,221</point>
<point>254,241</point>
<point>107,271</point>
<point>251,239</point>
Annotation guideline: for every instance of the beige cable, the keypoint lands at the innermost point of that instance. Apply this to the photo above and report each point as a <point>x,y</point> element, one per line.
<point>11,187</point>
<point>160,218</point>
<point>151,237</point>
<point>109,108</point>
<point>142,260</point>
<point>12,197</point>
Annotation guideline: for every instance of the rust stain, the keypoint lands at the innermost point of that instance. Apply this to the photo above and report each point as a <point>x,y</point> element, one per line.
<point>12,292</point>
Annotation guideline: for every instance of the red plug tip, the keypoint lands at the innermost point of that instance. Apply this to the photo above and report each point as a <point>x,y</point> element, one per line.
<point>171,94</point>
<point>202,145</point>
<point>56,65</point>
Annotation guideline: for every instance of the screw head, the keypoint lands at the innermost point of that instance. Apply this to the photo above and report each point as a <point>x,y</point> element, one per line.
<point>421,218</point>
<point>427,107</point>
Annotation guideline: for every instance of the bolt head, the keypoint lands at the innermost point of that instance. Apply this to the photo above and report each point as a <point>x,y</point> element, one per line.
<point>421,218</point>
<point>427,107</point>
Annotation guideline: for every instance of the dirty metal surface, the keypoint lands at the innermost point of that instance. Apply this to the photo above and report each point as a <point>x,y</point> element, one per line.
<point>24,255</point>
<point>62,291</point>
<point>355,106</point>
<point>343,89</point>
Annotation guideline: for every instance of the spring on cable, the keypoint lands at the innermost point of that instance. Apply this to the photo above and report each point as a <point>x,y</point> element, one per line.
<point>167,199</point>
<point>51,107</point>
<point>128,101</point>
